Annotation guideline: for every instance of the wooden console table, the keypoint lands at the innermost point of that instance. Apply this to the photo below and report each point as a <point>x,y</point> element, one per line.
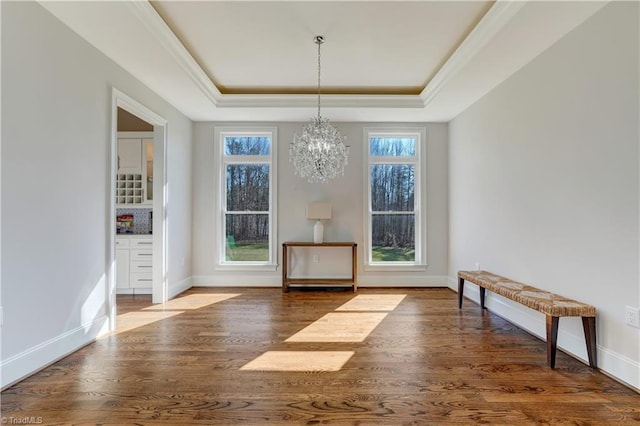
<point>286,281</point>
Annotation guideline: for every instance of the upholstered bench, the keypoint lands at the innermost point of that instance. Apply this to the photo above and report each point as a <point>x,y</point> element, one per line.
<point>552,305</point>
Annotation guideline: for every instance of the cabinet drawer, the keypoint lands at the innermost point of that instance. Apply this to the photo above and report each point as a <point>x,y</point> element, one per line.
<point>141,280</point>
<point>122,242</point>
<point>141,255</point>
<point>141,267</point>
<point>141,243</point>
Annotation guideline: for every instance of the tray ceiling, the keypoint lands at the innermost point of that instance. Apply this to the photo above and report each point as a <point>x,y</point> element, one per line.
<point>370,48</point>
<point>382,61</point>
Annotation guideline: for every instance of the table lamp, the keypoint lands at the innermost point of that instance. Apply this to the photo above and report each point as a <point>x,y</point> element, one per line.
<point>319,212</point>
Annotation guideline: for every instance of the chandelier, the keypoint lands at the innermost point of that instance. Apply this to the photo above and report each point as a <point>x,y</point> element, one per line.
<point>319,153</point>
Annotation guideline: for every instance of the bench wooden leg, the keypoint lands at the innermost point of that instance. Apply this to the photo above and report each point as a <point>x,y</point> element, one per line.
<point>460,291</point>
<point>552,340</point>
<point>483,291</point>
<point>589,325</point>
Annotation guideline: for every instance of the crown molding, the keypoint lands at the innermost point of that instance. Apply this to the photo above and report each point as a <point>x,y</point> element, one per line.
<point>169,42</point>
<point>492,22</point>
<point>328,101</point>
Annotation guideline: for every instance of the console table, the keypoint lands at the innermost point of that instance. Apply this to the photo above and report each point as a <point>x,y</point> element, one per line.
<point>286,281</point>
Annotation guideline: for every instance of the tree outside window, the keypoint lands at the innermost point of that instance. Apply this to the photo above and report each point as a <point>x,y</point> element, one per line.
<point>393,198</point>
<point>247,203</point>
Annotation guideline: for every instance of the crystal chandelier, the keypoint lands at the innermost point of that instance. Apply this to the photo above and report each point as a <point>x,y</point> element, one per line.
<point>319,153</point>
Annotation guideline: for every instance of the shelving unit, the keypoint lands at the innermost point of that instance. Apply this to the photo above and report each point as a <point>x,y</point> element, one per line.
<point>129,189</point>
<point>134,176</point>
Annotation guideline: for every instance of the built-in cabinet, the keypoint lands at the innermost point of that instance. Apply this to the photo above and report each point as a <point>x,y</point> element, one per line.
<point>134,262</point>
<point>134,178</point>
<point>134,190</point>
<point>129,154</point>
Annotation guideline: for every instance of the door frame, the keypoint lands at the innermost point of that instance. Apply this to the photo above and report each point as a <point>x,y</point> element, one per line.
<point>160,293</point>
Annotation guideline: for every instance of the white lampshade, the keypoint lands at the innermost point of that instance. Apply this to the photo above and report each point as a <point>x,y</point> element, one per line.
<point>319,211</point>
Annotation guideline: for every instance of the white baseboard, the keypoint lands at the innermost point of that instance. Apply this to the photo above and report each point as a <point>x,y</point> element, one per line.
<point>610,362</point>
<point>236,280</point>
<point>384,280</point>
<point>133,291</point>
<point>619,368</point>
<point>378,280</point>
<point>174,289</point>
<point>179,287</point>
<point>26,363</point>
<point>452,283</point>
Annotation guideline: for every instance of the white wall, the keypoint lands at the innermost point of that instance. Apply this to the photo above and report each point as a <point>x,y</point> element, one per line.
<point>56,118</point>
<point>544,184</point>
<point>344,193</point>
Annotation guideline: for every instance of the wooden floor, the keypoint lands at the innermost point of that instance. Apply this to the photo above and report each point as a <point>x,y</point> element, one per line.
<point>425,362</point>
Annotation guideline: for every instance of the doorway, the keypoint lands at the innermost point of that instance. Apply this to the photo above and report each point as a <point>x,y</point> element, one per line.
<point>127,109</point>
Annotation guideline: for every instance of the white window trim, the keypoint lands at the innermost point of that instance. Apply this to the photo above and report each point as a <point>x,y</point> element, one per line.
<point>220,167</point>
<point>420,206</point>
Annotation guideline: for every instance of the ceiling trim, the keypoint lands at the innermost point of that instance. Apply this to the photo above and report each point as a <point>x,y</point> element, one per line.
<point>499,14</point>
<point>497,17</point>
<point>329,101</point>
<point>170,43</point>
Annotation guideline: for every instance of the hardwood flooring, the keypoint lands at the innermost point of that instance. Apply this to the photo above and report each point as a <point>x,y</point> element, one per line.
<point>425,362</point>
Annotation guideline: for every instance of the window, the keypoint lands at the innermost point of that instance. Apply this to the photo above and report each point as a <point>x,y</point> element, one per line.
<point>246,233</point>
<point>394,201</point>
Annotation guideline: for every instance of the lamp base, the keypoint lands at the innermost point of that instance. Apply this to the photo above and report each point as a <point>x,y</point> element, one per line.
<point>318,231</point>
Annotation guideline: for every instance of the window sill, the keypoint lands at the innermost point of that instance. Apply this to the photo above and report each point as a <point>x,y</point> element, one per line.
<point>407,267</point>
<point>266,267</point>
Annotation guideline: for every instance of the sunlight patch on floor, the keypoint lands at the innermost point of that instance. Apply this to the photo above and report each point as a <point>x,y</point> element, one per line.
<point>131,320</point>
<point>299,361</point>
<point>192,301</point>
<point>340,327</point>
<point>373,302</point>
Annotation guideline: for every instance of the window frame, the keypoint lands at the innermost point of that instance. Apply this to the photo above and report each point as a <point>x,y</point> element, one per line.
<point>221,162</point>
<point>419,208</point>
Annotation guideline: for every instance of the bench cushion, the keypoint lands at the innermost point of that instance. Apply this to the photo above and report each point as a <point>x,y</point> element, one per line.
<point>534,298</point>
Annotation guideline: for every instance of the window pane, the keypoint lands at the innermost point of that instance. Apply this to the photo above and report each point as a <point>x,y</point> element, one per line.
<point>392,187</point>
<point>247,238</point>
<point>244,145</point>
<point>404,146</point>
<point>248,187</point>
<point>393,238</point>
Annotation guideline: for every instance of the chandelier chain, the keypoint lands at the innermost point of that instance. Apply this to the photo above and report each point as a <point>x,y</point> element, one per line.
<point>320,152</point>
<point>319,42</point>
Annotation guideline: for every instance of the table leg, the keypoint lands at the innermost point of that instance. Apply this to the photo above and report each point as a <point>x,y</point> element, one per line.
<point>285,287</point>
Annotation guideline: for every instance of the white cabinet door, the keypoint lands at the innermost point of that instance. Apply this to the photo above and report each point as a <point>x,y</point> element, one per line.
<point>129,156</point>
<point>122,268</point>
